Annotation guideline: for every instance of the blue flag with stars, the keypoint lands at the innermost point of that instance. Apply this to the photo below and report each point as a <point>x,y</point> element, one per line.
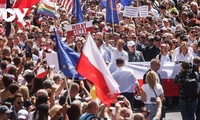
<point>67,58</point>
<point>111,12</point>
<point>77,11</point>
<point>126,2</point>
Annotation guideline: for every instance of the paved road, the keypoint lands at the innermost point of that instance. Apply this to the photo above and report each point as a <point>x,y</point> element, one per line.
<point>173,115</point>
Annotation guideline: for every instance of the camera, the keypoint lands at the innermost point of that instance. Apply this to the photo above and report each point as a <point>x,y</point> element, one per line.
<point>153,99</point>
<point>120,98</point>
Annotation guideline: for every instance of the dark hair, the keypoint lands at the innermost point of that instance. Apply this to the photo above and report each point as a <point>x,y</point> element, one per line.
<point>119,61</point>
<point>12,69</point>
<point>42,111</point>
<point>6,80</point>
<point>29,77</point>
<point>74,112</point>
<point>41,99</point>
<point>16,60</point>
<point>13,88</point>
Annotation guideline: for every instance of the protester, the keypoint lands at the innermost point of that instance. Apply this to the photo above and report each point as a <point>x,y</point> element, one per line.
<point>150,91</point>
<point>188,91</point>
<point>170,29</point>
<point>126,80</point>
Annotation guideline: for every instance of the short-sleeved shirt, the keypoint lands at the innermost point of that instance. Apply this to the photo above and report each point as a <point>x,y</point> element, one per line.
<point>150,93</point>
<point>125,79</point>
<point>86,116</point>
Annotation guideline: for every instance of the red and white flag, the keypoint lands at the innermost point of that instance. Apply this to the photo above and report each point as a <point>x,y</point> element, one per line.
<point>67,4</point>
<point>41,73</point>
<point>2,3</point>
<point>92,66</point>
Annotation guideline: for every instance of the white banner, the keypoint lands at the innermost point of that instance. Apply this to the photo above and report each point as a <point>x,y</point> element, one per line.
<point>167,70</point>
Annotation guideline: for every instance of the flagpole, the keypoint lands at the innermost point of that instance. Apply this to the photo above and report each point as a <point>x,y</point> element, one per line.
<point>69,89</point>
<point>113,26</point>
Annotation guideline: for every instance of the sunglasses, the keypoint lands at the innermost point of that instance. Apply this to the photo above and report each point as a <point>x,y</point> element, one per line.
<point>19,103</point>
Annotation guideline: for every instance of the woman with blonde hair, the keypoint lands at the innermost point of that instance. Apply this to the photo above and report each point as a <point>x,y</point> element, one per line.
<point>184,53</point>
<point>25,93</point>
<point>150,91</point>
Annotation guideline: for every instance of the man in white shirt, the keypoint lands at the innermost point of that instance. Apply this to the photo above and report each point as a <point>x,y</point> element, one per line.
<point>116,52</point>
<point>126,80</point>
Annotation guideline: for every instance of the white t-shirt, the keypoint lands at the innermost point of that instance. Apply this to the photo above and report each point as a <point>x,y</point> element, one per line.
<point>150,94</point>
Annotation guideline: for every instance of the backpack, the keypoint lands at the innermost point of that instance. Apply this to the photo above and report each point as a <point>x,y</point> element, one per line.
<point>190,86</point>
<point>170,57</point>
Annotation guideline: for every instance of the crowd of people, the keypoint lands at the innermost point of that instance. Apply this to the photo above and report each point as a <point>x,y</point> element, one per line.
<point>171,33</point>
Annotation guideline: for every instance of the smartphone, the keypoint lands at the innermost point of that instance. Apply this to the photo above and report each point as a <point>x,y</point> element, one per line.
<point>120,98</point>
<point>112,105</point>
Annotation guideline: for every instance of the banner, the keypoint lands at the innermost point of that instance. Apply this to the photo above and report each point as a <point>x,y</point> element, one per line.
<point>167,71</point>
<point>130,11</point>
<point>79,28</point>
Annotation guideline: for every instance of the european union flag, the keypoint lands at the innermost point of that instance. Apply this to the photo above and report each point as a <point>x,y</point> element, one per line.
<point>111,12</point>
<point>103,3</point>
<point>126,2</point>
<point>77,11</point>
<point>67,58</point>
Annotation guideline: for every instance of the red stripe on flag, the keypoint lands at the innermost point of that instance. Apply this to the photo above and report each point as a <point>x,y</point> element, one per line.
<point>92,66</point>
<point>67,4</point>
<point>97,78</point>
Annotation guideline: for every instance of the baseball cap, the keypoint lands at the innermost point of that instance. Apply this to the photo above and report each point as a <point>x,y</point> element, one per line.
<point>165,20</point>
<point>47,84</point>
<point>130,43</point>
<point>4,109</point>
<point>22,114</point>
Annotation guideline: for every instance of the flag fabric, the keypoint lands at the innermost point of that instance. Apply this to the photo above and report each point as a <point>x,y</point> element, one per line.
<point>2,3</point>
<point>67,4</point>
<point>67,58</point>
<point>24,3</point>
<point>8,24</point>
<point>111,12</point>
<point>77,11</point>
<point>126,2</point>
<point>92,66</point>
<point>103,3</point>
<point>167,71</point>
<point>41,73</point>
<point>47,8</point>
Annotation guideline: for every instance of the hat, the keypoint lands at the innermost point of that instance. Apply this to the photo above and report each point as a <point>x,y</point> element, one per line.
<point>4,109</point>
<point>186,65</point>
<point>165,20</point>
<point>131,43</point>
<point>22,114</point>
<point>47,83</point>
<point>27,72</point>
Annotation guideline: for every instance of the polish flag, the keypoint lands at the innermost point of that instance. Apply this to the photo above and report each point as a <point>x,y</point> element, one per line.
<point>92,66</point>
<point>2,3</point>
<point>41,73</point>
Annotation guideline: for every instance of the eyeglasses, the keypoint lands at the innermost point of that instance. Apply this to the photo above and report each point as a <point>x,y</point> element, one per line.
<point>19,103</point>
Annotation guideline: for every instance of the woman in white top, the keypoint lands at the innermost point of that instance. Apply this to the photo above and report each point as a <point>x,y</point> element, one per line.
<point>184,53</point>
<point>150,91</point>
